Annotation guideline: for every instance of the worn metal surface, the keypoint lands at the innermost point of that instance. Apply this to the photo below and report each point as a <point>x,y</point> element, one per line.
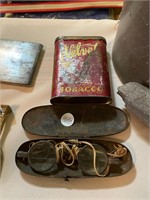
<point>117,165</point>
<point>80,71</point>
<point>18,60</point>
<point>91,120</point>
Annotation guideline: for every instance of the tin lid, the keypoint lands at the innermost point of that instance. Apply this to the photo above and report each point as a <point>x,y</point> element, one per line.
<point>81,37</point>
<point>75,121</point>
<point>59,100</point>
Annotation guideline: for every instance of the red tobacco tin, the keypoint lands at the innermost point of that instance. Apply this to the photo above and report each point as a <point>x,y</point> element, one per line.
<point>80,71</point>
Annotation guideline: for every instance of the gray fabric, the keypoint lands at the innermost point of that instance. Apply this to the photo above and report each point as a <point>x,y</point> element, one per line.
<point>131,47</point>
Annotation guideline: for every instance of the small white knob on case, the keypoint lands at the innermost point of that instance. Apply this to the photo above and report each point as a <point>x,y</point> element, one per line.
<point>67,119</point>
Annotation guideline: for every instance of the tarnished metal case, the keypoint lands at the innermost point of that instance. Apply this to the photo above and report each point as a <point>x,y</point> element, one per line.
<point>80,71</point>
<point>40,157</point>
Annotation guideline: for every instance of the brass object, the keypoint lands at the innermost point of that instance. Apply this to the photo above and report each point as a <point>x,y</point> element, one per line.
<point>5,111</point>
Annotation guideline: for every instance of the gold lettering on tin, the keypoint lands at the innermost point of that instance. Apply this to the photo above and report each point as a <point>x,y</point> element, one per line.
<point>74,89</point>
<point>79,49</point>
<point>93,89</point>
<point>87,89</point>
<point>100,89</point>
<point>81,89</point>
<point>68,89</point>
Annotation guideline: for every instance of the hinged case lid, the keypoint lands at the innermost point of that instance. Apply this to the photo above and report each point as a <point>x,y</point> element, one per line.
<point>75,121</point>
